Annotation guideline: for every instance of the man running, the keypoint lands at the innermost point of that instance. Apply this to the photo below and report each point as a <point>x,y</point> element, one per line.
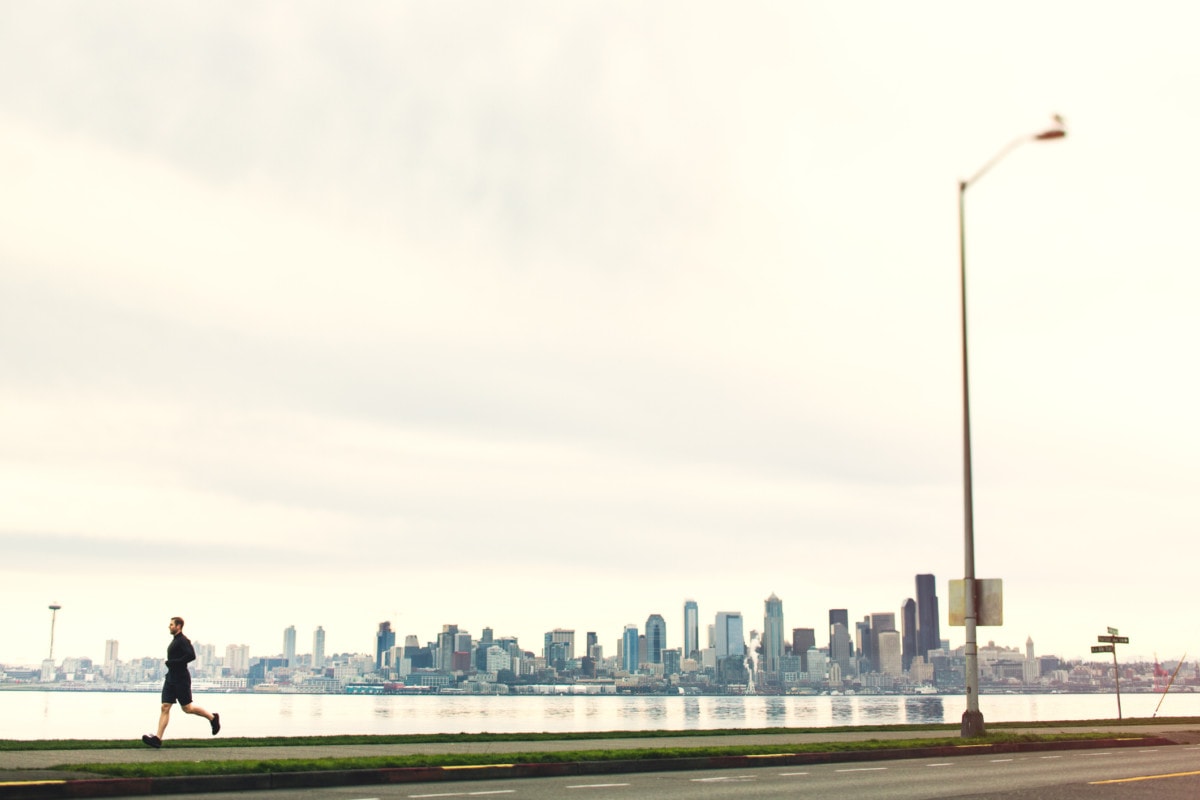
<point>178,685</point>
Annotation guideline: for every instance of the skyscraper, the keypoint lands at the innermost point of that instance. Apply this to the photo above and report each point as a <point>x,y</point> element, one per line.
<point>884,621</point>
<point>862,644</point>
<point>929,636</point>
<point>561,636</point>
<point>385,640</point>
<point>730,640</point>
<point>802,640</point>
<point>289,645</point>
<point>840,649</point>
<point>908,632</point>
<point>629,649</point>
<point>237,659</point>
<point>558,648</point>
<point>772,641</point>
<point>318,660</point>
<point>110,658</point>
<point>445,647</point>
<point>889,652</point>
<point>691,629</point>
<point>837,615</point>
<point>656,638</point>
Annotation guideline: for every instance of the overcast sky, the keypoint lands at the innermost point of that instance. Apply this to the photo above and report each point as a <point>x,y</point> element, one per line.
<point>542,315</point>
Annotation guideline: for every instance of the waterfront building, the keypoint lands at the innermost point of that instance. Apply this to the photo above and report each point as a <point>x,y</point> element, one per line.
<point>498,659</point>
<point>890,653</point>
<point>862,642</point>
<point>629,649</point>
<point>206,655</point>
<point>772,638</point>
<point>880,622</point>
<point>237,659</point>
<point>385,639</point>
<point>691,629</point>
<point>318,650</point>
<point>818,665</point>
<point>672,662</point>
<point>444,655</point>
<point>837,615</point>
<point>110,658</point>
<point>563,637</point>
<point>908,632</point>
<point>840,649</point>
<point>289,645</point>
<point>929,635</point>
<point>802,639</point>
<point>730,640</point>
<point>656,638</point>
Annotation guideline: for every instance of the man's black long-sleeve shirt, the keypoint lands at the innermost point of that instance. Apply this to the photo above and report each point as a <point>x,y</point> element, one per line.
<point>179,653</point>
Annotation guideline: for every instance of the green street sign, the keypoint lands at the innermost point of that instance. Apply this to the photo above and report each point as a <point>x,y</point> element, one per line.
<point>1113,631</point>
<point>1102,648</point>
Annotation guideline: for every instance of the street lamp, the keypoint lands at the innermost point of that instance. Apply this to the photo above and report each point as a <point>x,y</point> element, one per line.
<point>972,719</point>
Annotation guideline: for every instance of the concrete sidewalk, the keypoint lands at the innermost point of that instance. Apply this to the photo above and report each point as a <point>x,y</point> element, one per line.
<point>48,773</point>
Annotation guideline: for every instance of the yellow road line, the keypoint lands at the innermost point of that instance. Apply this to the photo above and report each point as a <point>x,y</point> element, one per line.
<point>1146,778</point>
<point>479,766</point>
<point>29,783</point>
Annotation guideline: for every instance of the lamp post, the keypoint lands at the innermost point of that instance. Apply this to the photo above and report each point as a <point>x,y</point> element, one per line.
<point>972,719</point>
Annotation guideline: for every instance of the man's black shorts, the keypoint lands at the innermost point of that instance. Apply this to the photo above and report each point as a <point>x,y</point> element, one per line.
<point>177,691</point>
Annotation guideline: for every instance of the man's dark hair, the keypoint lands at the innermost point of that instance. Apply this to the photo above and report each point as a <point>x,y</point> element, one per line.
<point>178,621</point>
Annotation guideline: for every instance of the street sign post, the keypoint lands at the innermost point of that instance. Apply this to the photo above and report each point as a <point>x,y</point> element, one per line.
<point>1110,646</point>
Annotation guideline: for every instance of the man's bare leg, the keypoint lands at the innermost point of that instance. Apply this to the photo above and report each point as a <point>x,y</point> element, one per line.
<point>213,719</point>
<point>164,718</point>
<point>192,708</point>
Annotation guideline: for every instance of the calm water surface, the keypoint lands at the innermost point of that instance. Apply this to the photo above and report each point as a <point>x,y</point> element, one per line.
<point>119,715</point>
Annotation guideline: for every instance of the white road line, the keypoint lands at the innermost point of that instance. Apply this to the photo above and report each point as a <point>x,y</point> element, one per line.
<point>1001,760</point>
<point>1086,755</point>
<point>724,779</point>
<point>1049,757</point>
<point>791,774</point>
<point>862,769</point>
<point>1147,751</point>
<point>465,794</point>
<point>946,764</point>
<point>597,785</point>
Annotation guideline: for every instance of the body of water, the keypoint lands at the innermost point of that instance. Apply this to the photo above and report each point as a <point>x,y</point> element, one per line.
<point>121,715</point>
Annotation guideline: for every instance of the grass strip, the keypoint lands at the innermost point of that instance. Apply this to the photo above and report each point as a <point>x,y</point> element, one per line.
<point>243,767</point>
<point>440,738</point>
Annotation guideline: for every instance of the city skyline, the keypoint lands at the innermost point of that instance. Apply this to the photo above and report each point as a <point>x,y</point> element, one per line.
<point>725,628</point>
<point>552,315</point>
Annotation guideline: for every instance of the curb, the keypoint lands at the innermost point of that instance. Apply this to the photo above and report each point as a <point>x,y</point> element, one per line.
<point>140,787</point>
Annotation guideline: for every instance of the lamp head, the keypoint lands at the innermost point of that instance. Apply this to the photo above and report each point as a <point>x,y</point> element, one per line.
<point>1057,132</point>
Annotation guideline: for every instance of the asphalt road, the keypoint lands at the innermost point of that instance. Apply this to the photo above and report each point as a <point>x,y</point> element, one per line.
<point>1163,773</point>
